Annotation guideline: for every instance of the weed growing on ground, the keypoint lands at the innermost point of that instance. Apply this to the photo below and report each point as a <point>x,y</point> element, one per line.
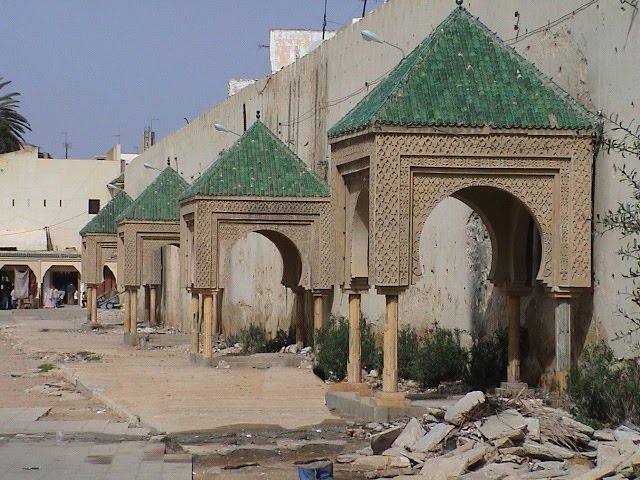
<point>332,348</point>
<point>488,360</point>
<point>45,367</point>
<point>253,338</point>
<point>440,357</point>
<point>605,391</point>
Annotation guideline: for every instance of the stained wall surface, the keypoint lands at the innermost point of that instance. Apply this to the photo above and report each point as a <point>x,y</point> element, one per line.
<point>591,52</point>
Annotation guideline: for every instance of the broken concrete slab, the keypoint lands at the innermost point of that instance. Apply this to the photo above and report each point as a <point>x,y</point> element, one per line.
<point>608,454</point>
<point>383,440</point>
<point>410,435</point>
<point>457,413</point>
<point>455,464</point>
<point>504,424</point>
<point>604,435</point>
<point>543,451</point>
<point>625,433</point>
<point>575,425</point>
<point>380,462</point>
<point>533,429</point>
<point>431,441</point>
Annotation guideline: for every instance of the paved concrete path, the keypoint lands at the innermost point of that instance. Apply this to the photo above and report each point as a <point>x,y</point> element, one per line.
<point>22,458</point>
<point>158,385</point>
<point>30,420</point>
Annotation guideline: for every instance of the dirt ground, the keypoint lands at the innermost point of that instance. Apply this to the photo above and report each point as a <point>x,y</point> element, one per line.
<point>23,384</point>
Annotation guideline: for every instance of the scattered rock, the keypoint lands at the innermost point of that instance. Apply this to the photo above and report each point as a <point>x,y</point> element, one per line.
<point>410,435</point>
<point>457,413</point>
<point>380,462</point>
<point>533,429</point>
<point>508,423</point>
<point>383,440</point>
<point>431,441</point>
<point>347,458</point>
<point>605,435</point>
<point>546,451</point>
<point>625,433</point>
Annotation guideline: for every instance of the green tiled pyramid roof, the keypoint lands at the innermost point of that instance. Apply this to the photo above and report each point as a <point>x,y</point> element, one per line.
<point>105,219</point>
<point>258,164</point>
<point>464,75</point>
<point>159,201</point>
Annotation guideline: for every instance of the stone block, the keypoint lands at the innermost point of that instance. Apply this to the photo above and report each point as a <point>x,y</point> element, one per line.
<point>431,441</point>
<point>504,424</point>
<point>410,435</point>
<point>383,440</point>
<point>457,413</point>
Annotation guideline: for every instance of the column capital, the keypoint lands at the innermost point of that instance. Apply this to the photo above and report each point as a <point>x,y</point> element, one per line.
<point>320,292</point>
<point>517,290</point>
<point>390,290</point>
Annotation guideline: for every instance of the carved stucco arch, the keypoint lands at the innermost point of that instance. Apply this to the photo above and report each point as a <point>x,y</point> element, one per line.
<point>286,237</point>
<point>428,195</point>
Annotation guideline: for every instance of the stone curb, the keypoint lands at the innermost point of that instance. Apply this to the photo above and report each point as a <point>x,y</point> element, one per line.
<point>93,393</point>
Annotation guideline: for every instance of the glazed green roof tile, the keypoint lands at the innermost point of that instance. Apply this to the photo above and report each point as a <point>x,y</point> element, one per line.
<point>464,75</point>
<point>258,164</point>
<point>159,201</point>
<point>118,179</point>
<point>105,219</point>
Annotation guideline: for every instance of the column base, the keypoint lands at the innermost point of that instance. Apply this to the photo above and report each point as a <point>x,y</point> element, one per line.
<point>199,359</point>
<point>561,381</point>
<point>131,340</point>
<point>360,388</point>
<point>511,389</point>
<point>390,400</point>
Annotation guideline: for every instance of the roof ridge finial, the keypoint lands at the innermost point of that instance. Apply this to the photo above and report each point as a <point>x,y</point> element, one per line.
<point>257,114</point>
<point>459,3</point>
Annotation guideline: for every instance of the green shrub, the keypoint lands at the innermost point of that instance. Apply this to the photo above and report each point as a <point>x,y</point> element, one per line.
<point>440,357</point>
<point>605,391</point>
<point>282,339</point>
<point>408,345</point>
<point>253,338</point>
<point>332,348</point>
<point>371,355</point>
<point>488,360</point>
<point>45,367</point>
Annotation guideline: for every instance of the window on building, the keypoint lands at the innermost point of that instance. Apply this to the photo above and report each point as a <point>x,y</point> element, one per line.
<point>94,205</point>
<point>45,203</point>
<point>13,202</point>
<point>60,202</point>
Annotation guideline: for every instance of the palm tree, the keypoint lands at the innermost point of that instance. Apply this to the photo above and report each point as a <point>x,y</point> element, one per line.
<point>12,124</point>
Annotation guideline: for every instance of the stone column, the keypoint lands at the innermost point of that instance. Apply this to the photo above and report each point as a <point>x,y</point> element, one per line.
<point>87,291</point>
<point>195,325</point>
<point>217,316</point>
<point>147,305</point>
<point>207,318</point>
<point>126,310</point>
<point>133,331</point>
<point>152,304</point>
<point>563,339</point>
<point>354,365</point>
<point>299,313</point>
<point>513,367</point>
<point>390,370</point>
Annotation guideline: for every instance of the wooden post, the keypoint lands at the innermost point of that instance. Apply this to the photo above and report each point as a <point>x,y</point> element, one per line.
<point>299,313</point>
<point>147,305</point>
<point>88,297</point>
<point>195,326</point>
<point>152,305</point>
<point>133,331</point>
<point>126,306</point>
<point>318,313</point>
<point>390,370</point>
<point>563,340</point>
<point>207,350</point>
<point>513,368</point>
<point>354,365</point>
<point>94,305</point>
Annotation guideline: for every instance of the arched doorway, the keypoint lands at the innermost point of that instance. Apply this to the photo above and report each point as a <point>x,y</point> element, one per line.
<point>60,285</point>
<point>23,282</point>
<point>487,240</point>
<point>258,290</point>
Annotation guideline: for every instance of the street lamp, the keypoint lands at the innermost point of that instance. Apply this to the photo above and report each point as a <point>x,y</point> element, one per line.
<point>222,128</point>
<point>151,167</point>
<point>114,187</point>
<point>373,37</point>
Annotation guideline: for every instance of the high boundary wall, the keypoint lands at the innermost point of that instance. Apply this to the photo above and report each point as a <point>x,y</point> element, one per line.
<point>592,53</point>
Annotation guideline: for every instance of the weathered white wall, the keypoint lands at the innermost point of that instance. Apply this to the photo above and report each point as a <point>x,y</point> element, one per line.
<point>173,302</point>
<point>593,54</point>
<point>26,181</point>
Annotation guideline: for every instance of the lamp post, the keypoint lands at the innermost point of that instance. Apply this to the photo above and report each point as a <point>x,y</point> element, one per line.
<point>373,37</point>
<point>151,167</point>
<point>221,128</point>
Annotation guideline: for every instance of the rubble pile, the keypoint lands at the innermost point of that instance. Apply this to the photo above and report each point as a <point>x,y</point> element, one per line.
<point>481,438</point>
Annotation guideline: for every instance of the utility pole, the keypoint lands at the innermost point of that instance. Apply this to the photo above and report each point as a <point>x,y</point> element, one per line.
<point>324,21</point>
<point>66,144</point>
<point>364,8</point>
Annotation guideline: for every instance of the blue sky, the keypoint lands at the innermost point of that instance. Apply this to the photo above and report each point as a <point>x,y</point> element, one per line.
<point>102,70</point>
